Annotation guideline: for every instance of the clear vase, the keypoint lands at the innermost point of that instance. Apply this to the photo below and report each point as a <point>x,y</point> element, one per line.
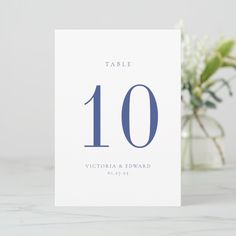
<point>202,142</point>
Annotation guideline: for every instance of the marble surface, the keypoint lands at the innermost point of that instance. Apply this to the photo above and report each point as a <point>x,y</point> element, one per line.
<point>27,206</point>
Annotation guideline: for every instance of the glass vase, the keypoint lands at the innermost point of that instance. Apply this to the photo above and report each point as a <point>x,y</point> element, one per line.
<point>202,142</point>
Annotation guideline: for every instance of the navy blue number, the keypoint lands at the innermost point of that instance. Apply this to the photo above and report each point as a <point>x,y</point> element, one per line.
<point>96,118</point>
<point>126,116</point>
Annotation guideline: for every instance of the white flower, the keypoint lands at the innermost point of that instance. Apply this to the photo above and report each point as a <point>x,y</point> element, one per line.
<point>194,54</point>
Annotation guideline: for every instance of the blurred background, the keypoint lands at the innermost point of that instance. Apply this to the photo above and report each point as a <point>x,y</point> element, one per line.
<point>27,58</point>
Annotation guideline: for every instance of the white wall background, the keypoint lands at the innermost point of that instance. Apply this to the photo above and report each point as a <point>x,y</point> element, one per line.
<point>27,57</point>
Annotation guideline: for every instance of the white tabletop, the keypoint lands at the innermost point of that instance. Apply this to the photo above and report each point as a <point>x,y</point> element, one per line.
<point>27,206</point>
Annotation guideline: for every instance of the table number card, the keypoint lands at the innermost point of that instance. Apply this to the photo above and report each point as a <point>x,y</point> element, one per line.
<point>117,118</point>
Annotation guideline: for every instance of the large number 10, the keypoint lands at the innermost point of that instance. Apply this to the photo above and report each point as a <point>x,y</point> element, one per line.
<point>125,114</point>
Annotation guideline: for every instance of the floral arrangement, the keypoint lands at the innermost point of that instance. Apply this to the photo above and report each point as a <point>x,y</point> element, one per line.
<point>199,65</point>
<point>200,85</point>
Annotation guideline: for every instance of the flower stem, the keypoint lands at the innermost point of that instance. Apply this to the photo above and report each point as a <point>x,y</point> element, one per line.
<point>208,136</point>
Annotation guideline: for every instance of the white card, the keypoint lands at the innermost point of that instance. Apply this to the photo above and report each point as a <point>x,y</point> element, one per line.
<point>117,118</point>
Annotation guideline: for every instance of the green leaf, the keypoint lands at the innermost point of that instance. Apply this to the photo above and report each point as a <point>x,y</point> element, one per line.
<point>212,66</point>
<point>195,101</point>
<point>229,62</point>
<point>208,84</point>
<point>226,47</point>
<point>214,96</point>
<point>210,104</point>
